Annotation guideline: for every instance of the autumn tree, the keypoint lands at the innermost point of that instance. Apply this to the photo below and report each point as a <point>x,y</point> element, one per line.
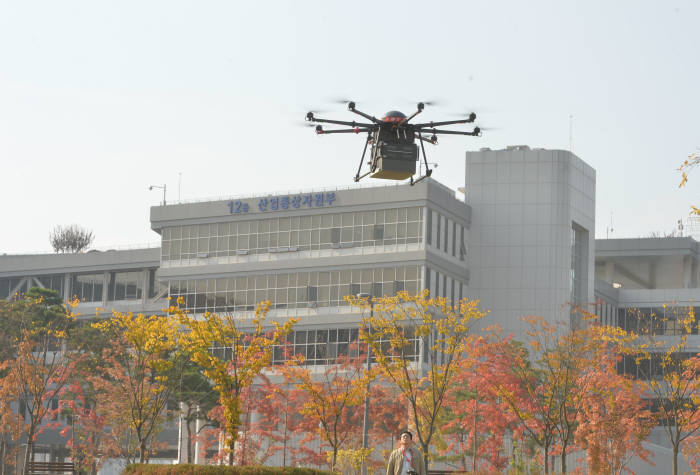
<point>659,351</point>
<point>615,419</point>
<point>544,387</point>
<point>399,330</point>
<point>70,238</point>
<point>139,375</point>
<point>331,400</point>
<point>476,418</point>
<point>246,350</point>
<point>35,368</point>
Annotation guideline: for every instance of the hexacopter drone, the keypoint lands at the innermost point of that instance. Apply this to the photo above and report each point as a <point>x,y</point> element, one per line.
<point>393,139</point>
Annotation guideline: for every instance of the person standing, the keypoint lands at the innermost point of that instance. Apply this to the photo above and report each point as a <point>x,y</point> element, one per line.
<point>407,459</point>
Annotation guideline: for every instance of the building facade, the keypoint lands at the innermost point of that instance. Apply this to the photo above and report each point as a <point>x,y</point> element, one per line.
<point>532,237</point>
<point>521,240</point>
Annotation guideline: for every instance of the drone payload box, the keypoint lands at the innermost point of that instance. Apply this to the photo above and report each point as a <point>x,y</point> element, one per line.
<point>395,161</point>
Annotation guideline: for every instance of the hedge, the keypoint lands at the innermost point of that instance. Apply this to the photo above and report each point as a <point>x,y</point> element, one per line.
<point>184,469</point>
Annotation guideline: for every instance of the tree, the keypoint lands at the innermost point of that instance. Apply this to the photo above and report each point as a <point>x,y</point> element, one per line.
<point>90,439</point>
<point>195,392</point>
<point>686,167</point>
<point>477,419</point>
<point>70,238</point>
<point>667,366</point>
<point>614,421</point>
<point>331,400</point>
<point>247,351</point>
<point>139,375</point>
<point>34,368</point>
<point>398,327</point>
<point>544,389</point>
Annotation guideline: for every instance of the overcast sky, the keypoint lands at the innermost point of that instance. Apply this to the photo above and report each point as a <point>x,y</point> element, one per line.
<point>100,99</point>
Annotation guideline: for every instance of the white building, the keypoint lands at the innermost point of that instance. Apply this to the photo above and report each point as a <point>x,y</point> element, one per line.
<point>521,241</point>
<point>532,235</point>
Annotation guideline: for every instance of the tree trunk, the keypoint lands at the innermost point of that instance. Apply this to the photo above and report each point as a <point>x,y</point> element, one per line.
<point>2,455</point>
<point>142,451</point>
<point>29,451</point>
<point>425,456</point>
<point>563,458</point>
<point>189,441</point>
<point>675,459</point>
<point>546,459</point>
<point>231,452</point>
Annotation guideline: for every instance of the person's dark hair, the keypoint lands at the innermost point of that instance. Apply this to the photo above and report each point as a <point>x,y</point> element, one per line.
<point>406,432</point>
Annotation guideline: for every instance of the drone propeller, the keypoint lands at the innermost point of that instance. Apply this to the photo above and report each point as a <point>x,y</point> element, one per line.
<point>340,100</point>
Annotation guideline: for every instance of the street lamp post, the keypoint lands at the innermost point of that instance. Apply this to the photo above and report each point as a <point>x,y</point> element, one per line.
<point>365,418</point>
<point>162,187</point>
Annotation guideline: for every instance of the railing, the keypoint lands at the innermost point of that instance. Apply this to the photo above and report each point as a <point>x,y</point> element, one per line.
<point>38,468</point>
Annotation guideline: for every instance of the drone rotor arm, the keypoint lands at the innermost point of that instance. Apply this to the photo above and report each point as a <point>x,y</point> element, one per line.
<point>423,139</point>
<point>476,132</point>
<point>355,130</point>
<point>366,116</point>
<point>341,122</point>
<point>418,111</point>
<point>468,120</point>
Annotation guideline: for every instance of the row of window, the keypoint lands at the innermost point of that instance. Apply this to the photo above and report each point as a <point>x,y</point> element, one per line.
<point>652,368</point>
<point>658,320</point>
<point>442,285</point>
<point>7,286</point>
<point>320,347</point>
<point>447,235</point>
<point>129,285</point>
<point>293,290</point>
<point>297,233</point>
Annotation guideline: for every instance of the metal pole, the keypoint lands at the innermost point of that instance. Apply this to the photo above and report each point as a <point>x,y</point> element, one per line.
<point>365,419</point>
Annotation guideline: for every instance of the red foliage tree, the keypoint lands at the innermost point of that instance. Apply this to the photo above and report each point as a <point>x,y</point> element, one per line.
<point>615,420</point>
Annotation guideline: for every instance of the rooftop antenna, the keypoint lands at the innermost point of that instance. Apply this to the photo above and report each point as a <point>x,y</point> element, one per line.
<point>680,227</point>
<point>179,186</point>
<point>609,229</point>
<point>571,133</point>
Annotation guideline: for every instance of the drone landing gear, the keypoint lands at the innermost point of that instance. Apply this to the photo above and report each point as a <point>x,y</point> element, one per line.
<point>428,171</point>
<point>359,177</point>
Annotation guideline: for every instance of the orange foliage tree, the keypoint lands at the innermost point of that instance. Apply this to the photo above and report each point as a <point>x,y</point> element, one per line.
<point>614,420</point>
<point>331,400</point>
<point>668,367</point>
<point>477,419</point>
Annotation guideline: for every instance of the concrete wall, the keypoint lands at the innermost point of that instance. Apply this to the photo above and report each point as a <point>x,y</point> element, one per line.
<point>524,203</point>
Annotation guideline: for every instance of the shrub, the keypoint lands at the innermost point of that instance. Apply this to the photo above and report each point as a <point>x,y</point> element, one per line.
<point>186,469</point>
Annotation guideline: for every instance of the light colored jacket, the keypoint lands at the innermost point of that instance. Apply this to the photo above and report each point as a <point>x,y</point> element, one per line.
<point>395,464</point>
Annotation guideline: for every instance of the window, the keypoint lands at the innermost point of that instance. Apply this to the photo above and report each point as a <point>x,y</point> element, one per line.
<point>53,282</point>
<point>293,290</point>
<point>291,234</point>
<point>126,285</point>
<point>87,287</point>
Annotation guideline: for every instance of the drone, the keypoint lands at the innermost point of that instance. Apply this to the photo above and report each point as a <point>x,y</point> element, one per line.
<point>392,138</point>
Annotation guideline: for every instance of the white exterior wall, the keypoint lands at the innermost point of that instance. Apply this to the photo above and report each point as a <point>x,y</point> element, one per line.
<point>523,205</point>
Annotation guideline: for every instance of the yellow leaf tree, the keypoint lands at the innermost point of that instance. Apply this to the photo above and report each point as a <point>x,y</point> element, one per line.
<point>139,373</point>
<point>417,343</point>
<point>247,350</point>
